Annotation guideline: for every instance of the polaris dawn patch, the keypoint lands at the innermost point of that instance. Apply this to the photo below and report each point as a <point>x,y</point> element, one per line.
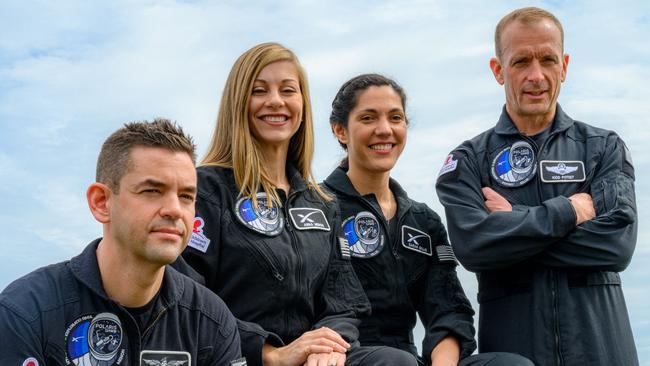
<point>263,219</point>
<point>198,240</point>
<point>557,171</point>
<point>416,240</point>
<point>165,358</point>
<point>306,218</point>
<point>363,235</point>
<point>95,340</point>
<point>515,165</point>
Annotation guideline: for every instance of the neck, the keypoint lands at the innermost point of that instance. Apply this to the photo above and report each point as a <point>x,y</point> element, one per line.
<point>377,184</point>
<point>126,280</point>
<point>275,165</point>
<point>533,124</point>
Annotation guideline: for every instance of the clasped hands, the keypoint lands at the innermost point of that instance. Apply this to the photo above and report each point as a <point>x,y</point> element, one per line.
<point>319,347</point>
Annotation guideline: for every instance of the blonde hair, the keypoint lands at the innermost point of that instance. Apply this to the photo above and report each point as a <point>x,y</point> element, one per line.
<point>234,146</point>
<point>526,15</point>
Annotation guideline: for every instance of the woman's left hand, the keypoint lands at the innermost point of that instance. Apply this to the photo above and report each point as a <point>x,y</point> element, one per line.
<point>326,359</point>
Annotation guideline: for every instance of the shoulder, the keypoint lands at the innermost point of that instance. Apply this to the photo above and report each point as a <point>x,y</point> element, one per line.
<point>215,183</point>
<point>588,131</point>
<point>196,298</point>
<point>43,290</point>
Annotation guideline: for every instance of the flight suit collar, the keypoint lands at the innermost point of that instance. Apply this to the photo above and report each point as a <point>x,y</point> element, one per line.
<point>505,126</point>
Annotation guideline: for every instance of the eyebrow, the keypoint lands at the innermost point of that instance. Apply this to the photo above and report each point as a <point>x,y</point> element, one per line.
<point>158,184</point>
<point>372,110</point>
<point>282,81</point>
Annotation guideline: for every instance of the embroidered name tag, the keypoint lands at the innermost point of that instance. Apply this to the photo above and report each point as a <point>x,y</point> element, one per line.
<point>305,218</point>
<point>416,240</point>
<point>165,358</point>
<point>556,171</point>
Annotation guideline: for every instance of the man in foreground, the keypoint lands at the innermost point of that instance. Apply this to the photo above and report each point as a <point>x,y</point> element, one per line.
<point>542,208</point>
<point>118,303</point>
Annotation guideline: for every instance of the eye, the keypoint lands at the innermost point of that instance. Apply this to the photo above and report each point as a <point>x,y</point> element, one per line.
<point>258,90</point>
<point>289,90</point>
<point>366,118</point>
<point>187,197</point>
<point>397,117</point>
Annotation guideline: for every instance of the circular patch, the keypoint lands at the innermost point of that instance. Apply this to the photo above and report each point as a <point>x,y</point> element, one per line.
<point>30,362</point>
<point>263,219</point>
<point>363,234</point>
<point>95,340</point>
<point>515,165</point>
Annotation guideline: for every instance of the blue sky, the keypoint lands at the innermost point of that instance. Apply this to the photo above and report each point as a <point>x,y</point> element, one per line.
<point>71,72</point>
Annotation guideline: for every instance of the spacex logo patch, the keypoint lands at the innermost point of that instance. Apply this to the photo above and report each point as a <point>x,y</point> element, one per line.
<point>416,240</point>
<point>306,218</point>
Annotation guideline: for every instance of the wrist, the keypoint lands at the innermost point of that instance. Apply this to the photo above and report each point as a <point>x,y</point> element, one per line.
<point>269,355</point>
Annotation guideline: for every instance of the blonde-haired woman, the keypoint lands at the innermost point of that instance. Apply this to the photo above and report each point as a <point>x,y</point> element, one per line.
<point>264,237</point>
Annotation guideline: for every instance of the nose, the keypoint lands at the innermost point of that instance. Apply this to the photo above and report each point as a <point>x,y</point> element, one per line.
<point>171,207</point>
<point>383,128</point>
<point>535,73</point>
<point>274,99</point>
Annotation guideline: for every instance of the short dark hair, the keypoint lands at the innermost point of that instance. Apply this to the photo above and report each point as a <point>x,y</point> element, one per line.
<point>114,158</point>
<point>526,15</point>
<point>348,96</point>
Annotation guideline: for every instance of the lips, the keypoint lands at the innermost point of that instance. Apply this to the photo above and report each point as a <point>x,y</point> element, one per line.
<point>167,231</point>
<point>382,147</point>
<point>274,119</point>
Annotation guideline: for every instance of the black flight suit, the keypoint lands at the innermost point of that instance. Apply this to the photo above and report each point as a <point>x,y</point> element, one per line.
<point>548,289</point>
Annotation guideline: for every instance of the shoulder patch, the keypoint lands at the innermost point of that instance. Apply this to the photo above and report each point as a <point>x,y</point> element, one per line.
<point>449,168</point>
<point>263,219</point>
<point>445,253</point>
<point>30,361</point>
<point>307,218</point>
<point>198,240</point>
<point>345,248</point>
<point>556,171</point>
<point>363,235</point>
<point>165,358</point>
<point>95,340</point>
<point>416,240</point>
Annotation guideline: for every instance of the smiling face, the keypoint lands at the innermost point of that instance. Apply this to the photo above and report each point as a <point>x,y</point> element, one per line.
<point>151,218</point>
<point>532,69</point>
<point>276,104</point>
<point>376,132</point>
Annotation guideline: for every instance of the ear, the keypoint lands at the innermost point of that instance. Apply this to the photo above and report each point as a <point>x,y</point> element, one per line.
<point>99,196</point>
<point>497,70</point>
<point>340,132</point>
<point>565,65</point>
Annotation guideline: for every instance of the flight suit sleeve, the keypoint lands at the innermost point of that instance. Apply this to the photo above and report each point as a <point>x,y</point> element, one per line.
<point>443,307</point>
<point>606,242</point>
<point>341,302</point>
<point>484,240</point>
<point>20,340</point>
<point>227,347</point>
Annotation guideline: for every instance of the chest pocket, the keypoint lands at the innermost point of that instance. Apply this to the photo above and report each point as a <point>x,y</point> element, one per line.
<point>241,243</point>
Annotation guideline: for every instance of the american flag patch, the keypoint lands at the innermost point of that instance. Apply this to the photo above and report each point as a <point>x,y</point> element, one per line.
<point>445,253</point>
<point>345,248</point>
